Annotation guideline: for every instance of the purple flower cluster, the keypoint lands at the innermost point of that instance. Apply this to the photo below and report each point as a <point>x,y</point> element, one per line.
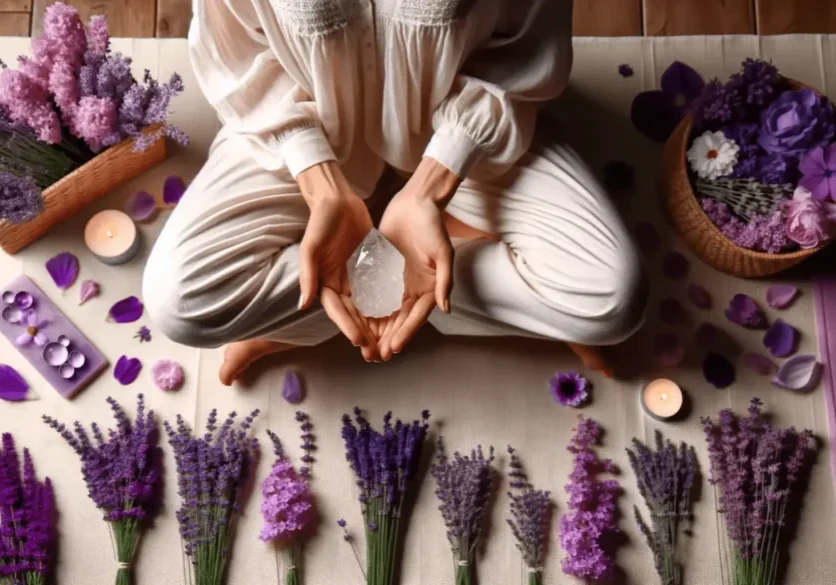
<point>27,519</point>
<point>20,198</point>
<point>591,522</point>
<point>665,477</point>
<point>530,518</point>
<point>764,233</point>
<point>755,468</point>
<point>741,97</point>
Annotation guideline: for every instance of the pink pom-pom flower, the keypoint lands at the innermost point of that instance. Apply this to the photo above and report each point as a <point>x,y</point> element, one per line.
<point>167,375</point>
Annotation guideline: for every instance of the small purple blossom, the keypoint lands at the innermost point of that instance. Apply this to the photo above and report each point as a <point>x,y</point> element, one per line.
<point>144,334</point>
<point>569,389</point>
<point>20,198</point>
<point>624,70</point>
<point>818,167</point>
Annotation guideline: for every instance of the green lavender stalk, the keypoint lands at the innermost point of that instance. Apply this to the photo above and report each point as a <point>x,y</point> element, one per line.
<point>464,564</point>
<point>292,558</point>
<point>126,532</point>
<point>210,557</point>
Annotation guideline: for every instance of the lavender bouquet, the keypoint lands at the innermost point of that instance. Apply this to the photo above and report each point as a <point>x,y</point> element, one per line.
<point>212,473</point>
<point>590,525</point>
<point>665,477</point>
<point>755,469</point>
<point>27,519</point>
<point>385,465</point>
<point>464,486</point>
<point>287,503</point>
<point>530,517</point>
<point>121,473</point>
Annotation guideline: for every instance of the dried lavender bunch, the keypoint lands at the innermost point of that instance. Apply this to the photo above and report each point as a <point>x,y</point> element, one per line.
<point>464,489</point>
<point>121,473</point>
<point>665,477</point>
<point>530,517</point>
<point>385,465</point>
<point>755,467</point>
<point>212,471</point>
<point>27,519</point>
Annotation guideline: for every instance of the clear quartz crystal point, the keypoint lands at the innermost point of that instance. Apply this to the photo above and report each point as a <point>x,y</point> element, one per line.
<point>375,275</point>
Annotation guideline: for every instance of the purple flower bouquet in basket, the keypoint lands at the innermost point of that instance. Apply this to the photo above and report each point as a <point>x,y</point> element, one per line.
<point>121,470</point>
<point>213,471</point>
<point>756,470</point>
<point>27,520</point>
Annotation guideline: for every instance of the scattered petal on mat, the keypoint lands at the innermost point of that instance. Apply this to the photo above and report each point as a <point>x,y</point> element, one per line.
<point>781,296</point>
<point>698,296</point>
<point>292,387</point>
<point>758,363</point>
<point>127,310</point>
<point>88,290</point>
<point>126,370</point>
<point>675,265</point>
<point>718,371</point>
<point>13,388</point>
<point>167,375</point>
<point>619,176</point>
<point>173,190</point>
<point>63,269</point>
<point>141,206</point>
<point>625,70</point>
<point>647,237</point>
<point>781,339</point>
<point>800,373</point>
<point>744,311</point>
<point>668,349</point>
<point>672,312</point>
<point>706,334</point>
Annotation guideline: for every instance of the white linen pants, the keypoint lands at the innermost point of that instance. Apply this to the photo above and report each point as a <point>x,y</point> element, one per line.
<point>226,265</point>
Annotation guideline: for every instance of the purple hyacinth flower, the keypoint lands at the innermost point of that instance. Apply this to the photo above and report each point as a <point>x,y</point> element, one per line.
<point>569,389</point>
<point>656,113</point>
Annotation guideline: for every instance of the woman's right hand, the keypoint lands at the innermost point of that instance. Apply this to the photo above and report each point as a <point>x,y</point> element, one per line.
<point>339,220</point>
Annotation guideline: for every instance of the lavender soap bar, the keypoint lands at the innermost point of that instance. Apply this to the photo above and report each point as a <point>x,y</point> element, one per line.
<point>47,339</point>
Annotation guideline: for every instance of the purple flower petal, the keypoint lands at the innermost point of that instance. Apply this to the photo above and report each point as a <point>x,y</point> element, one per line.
<point>758,363</point>
<point>126,370</point>
<point>668,349</point>
<point>698,296</point>
<point>141,206</point>
<point>672,312</point>
<point>675,265</point>
<point>654,114</point>
<point>63,269</point>
<point>13,388</point>
<point>88,290</point>
<point>127,310</point>
<point>781,296</point>
<point>718,371</point>
<point>173,190</point>
<point>292,387</point>
<point>647,237</point>
<point>625,70</point>
<point>744,311</point>
<point>682,80</point>
<point>800,373</point>
<point>781,339</point>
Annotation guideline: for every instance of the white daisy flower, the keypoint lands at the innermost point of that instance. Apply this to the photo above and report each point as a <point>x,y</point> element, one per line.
<point>713,155</point>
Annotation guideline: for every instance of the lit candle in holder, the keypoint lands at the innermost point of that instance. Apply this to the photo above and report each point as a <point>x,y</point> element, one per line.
<point>662,399</point>
<point>112,237</point>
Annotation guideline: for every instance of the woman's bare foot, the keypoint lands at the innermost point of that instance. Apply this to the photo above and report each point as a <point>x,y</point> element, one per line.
<point>592,358</point>
<point>241,355</point>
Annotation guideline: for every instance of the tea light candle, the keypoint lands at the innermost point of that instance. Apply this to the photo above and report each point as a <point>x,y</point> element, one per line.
<point>662,399</point>
<point>112,237</point>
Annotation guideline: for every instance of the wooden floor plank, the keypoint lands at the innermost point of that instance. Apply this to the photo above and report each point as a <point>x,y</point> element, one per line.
<point>15,6</point>
<point>173,17</point>
<point>777,17</point>
<point>607,18</point>
<point>699,17</point>
<point>126,18</point>
<point>14,24</point>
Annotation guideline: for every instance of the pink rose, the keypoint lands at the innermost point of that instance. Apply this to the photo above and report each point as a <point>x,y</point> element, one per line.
<point>809,222</point>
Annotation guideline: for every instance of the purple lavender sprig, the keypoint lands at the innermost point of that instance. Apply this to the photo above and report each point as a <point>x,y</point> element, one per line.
<point>591,520</point>
<point>121,474</point>
<point>530,518</point>
<point>27,519</point>
<point>755,469</point>
<point>385,465</point>
<point>665,477</point>
<point>464,487</point>
<point>212,472</point>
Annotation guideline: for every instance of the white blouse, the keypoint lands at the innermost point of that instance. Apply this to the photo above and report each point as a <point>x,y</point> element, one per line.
<point>365,82</point>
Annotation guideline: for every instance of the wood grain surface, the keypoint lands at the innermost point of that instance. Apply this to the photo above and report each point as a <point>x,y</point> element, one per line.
<point>607,18</point>
<point>777,17</point>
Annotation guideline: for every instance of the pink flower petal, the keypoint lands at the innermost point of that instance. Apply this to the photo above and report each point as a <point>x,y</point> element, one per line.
<point>800,373</point>
<point>758,363</point>
<point>88,290</point>
<point>781,296</point>
<point>698,296</point>
<point>167,375</point>
<point>141,206</point>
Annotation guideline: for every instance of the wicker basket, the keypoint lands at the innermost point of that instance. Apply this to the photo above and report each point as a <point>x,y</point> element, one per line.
<point>704,239</point>
<point>108,171</point>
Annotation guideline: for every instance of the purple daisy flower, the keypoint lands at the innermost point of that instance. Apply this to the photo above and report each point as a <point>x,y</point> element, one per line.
<point>569,389</point>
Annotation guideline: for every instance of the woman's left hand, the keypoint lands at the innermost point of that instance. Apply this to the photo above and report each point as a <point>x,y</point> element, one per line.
<point>414,223</point>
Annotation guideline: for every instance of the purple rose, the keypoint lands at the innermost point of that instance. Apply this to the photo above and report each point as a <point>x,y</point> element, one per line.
<point>795,122</point>
<point>809,222</point>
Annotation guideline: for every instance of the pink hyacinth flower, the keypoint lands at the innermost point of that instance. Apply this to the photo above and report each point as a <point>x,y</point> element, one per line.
<point>33,331</point>
<point>63,26</point>
<point>95,121</point>
<point>27,103</point>
<point>98,38</point>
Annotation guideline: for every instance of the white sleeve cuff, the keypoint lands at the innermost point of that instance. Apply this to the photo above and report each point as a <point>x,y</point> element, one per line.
<point>453,148</point>
<point>304,149</point>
